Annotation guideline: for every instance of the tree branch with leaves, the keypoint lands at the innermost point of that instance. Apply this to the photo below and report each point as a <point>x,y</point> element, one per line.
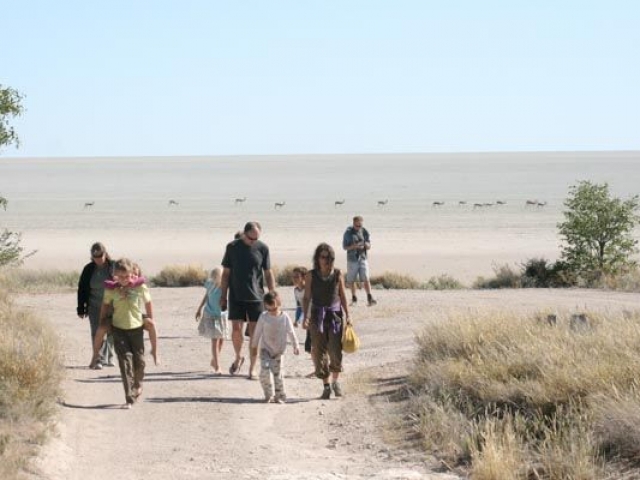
<point>10,108</point>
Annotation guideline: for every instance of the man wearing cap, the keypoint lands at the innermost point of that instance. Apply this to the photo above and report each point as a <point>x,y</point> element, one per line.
<point>90,292</point>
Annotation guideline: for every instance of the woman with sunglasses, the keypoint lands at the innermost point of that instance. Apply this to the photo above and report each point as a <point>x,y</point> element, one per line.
<point>90,293</point>
<point>324,292</point>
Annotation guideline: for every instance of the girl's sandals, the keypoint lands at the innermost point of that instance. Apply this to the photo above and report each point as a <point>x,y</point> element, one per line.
<point>235,366</point>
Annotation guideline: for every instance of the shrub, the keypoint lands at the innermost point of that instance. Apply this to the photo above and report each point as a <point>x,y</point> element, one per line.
<point>628,281</point>
<point>443,282</point>
<point>20,280</point>
<point>284,276</point>
<point>505,277</point>
<point>180,276</point>
<point>30,375</point>
<point>526,399</point>
<point>390,280</point>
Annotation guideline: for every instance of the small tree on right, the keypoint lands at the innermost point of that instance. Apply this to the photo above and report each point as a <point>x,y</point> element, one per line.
<point>598,231</point>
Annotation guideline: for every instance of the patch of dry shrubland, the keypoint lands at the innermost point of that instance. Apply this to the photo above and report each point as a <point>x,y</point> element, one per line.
<point>508,396</point>
<point>30,377</point>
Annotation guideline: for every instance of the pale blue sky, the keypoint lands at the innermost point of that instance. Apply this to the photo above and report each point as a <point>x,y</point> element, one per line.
<point>281,77</point>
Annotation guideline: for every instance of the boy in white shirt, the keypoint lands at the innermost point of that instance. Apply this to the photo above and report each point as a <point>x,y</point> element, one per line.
<point>272,330</point>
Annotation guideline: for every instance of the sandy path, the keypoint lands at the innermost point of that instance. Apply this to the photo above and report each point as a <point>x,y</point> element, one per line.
<point>192,425</point>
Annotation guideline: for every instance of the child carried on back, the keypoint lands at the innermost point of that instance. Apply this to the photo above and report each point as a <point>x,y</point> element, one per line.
<point>105,323</point>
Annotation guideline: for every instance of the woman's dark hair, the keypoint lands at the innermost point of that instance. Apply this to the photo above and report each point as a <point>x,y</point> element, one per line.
<point>323,247</point>
<point>98,250</point>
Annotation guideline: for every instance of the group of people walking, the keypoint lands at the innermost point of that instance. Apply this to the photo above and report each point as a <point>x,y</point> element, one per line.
<point>117,302</point>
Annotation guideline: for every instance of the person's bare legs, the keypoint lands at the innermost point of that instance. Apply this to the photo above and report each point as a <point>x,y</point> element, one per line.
<point>253,351</point>
<point>215,354</point>
<point>97,344</point>
<point>237,340</point>
<point>150,327</point>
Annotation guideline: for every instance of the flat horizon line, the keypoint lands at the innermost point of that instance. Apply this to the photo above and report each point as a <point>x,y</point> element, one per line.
<point>310,155</point>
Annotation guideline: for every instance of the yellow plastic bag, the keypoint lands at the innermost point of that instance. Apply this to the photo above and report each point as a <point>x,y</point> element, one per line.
<point>350,341</point>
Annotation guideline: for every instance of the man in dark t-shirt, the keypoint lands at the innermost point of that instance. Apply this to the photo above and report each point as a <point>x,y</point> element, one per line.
<point>246,266</point>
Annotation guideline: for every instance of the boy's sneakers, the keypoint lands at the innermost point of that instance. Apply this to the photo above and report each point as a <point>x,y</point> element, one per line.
<point>326,393</point>
<point>282,398</point>
<point>337,389</point>
<point>268,399</point>
<point>371,301</point>
<point>354,300</point>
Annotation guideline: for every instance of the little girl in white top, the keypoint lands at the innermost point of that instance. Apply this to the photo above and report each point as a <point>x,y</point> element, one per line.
<point>272,330</point>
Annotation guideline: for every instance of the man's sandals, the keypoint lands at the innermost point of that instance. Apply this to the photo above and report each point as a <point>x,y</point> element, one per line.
<point>235,366</point>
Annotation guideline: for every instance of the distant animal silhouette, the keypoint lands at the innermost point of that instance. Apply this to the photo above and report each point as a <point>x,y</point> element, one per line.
<point>541,204</point>
<point>240,200</point>
<point>478,205</point>
<point>382,203</point>
<point>89,204</point>
<point>501,202</point>
<point>338,202</point>
<point>279,205</point>
<point>437,204</point>
<point>462,202</point>
<point>487,204</point>
<point>530,202</point>
<point>3,202</point>
<point>173,202</point>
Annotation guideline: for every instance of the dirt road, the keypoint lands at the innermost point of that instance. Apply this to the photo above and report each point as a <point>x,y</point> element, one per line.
<point>192,425</point>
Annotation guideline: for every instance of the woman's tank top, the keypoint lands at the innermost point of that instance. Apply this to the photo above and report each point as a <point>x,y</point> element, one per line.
<point>324,291</point>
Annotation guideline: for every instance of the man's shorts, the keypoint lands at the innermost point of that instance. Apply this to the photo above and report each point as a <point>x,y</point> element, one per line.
<point>244,311</point>
<point>357,269</point>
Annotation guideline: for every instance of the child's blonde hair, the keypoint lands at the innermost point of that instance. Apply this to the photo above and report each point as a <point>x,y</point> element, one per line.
<point>136,269</point>
<point>216,276</point>
<point>123,265</point>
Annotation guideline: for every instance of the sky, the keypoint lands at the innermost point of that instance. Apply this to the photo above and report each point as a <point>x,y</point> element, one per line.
<point>200,77</point>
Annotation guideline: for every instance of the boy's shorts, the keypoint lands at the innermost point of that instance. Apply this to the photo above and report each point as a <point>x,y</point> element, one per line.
<point>244,311</point>
<point>358,269</point>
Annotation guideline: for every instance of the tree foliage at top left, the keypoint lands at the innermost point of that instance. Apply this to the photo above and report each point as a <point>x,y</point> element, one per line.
<point>10,107</point>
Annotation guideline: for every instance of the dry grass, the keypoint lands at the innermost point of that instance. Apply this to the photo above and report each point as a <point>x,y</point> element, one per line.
<point>19,280</point>
<point>398,281</point>
<point>626,282</point>
<point>514,397</point>
<point>284,275</point>
<point>180,276</point>
<point>392,280</point>
<point>30,376</point>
